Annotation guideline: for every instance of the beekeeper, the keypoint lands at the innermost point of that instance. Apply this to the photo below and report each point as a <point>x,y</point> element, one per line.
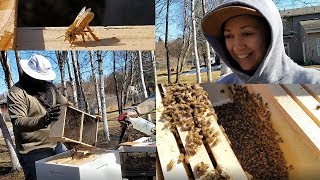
<point>248,37</point>
<point>32,106</point>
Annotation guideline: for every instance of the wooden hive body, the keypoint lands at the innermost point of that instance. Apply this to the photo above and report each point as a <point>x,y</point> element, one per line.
<point>294,113</point>
<point>75,126</point>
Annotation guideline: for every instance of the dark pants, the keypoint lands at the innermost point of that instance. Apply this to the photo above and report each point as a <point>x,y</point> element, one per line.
<point>28,160</point>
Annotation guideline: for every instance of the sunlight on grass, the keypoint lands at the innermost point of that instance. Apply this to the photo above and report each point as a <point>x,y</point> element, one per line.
<point>188,79</point>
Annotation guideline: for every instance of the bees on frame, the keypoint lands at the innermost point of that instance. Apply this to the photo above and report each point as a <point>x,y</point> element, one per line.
<point>79,25</point>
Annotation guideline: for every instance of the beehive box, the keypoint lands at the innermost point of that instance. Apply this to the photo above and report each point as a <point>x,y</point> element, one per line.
<point>294,121</point>
<point>96,165</point>
<point>75,126</point>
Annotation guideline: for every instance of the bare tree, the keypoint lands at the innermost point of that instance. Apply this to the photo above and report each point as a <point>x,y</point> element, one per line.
<point>93,70</point>
<point>154,67</point>
<point>103,97</point>
<point>7,138</point>
<point>208,57</point>
<point>118,94</point>
<point>18,58</point>
<point>186,51</point>
<point>166,42</point>
<point>196,57</point>
<point>185,24</point>
<point>80,92</point>
<point>131,72</point>
<point>72,84</point>
<point>61,56</point>
<point>9,143</point>
<point>126,79</point>
<point>6,68</point>
<point>144,89</point>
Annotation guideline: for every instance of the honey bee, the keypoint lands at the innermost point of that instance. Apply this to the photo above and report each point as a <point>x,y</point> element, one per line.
<point>170,165</point>
<point>79,24</point>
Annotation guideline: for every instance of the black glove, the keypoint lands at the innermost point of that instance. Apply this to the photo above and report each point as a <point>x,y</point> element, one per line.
<point>52,115</point>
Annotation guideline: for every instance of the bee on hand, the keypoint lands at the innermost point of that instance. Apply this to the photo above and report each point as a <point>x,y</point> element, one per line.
<point>80,23</point>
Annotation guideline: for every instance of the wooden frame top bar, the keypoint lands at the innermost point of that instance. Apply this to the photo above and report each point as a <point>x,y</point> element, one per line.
<point>111,38</point>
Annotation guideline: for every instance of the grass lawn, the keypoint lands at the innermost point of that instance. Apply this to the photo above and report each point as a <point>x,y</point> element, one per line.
<point>187,79</point>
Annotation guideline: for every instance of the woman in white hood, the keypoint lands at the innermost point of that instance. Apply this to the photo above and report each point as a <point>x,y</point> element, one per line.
<point>248,37</point>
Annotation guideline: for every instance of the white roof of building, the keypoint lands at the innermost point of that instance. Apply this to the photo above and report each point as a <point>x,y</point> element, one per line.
<point>300,11</point>
<point>311,26</point>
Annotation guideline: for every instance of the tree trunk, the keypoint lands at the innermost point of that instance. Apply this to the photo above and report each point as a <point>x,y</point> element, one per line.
<point>154,67</point>
<point>187,51</point>
<point>196,57</point>
<point>61,61</point>
<point>103,98</point>
<point>72,84</point>
<point>125,80</point>
<point>7,138</point>
<point>144,89</point>
<point>6,69</point>
<point>18,58</point>
<point>131,75</point>
<point>83,97</point>
<point>93,69</point>
<point>183,39</point>
<point>6,135</point>
<point>81,102</point>
<point>166,43</point>
<point>116,84</point>
<point>208,62</point>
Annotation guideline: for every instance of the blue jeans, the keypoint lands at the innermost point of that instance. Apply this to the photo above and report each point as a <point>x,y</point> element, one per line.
<point>28,160</point>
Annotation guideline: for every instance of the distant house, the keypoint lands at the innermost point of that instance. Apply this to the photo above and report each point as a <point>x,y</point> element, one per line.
<point>302,34</point>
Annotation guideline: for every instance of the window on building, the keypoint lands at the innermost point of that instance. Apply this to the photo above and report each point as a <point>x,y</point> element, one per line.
<point>286,48</point>
<point>318,46</point>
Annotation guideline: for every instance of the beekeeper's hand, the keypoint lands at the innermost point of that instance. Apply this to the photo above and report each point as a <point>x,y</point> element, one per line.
<point>52,115</point>
<point>131,113</point>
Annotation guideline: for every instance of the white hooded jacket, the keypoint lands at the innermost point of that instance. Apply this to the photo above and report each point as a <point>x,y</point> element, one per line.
<point>276,67</point>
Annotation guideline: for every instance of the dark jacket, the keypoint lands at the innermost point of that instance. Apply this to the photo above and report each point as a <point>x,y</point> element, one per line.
<point>26,113</point>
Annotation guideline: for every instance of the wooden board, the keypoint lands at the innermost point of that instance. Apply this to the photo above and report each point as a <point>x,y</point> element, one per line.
<point>222,152</point>
<point>8,12</point>
<point>299,151</point>
<point>220,94</point>
<point>167,147</point>
<point>307,103</point>
<point>75,131</point>
<point>201,155</point>
<point>313,90</point>
<point>111,38</point>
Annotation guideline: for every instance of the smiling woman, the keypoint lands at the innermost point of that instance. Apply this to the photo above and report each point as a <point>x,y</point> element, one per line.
<point>247,41</point>
<point>248,37</point>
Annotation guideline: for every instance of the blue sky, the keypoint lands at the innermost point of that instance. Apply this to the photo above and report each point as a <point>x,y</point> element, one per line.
<point>175,30</point>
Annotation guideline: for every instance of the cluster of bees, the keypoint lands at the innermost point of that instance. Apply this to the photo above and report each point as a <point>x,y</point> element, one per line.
<point>188,108</point>
<point>253,139</point>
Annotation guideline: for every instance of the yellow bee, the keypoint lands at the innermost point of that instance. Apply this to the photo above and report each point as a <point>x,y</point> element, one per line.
<point>77,27</point>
